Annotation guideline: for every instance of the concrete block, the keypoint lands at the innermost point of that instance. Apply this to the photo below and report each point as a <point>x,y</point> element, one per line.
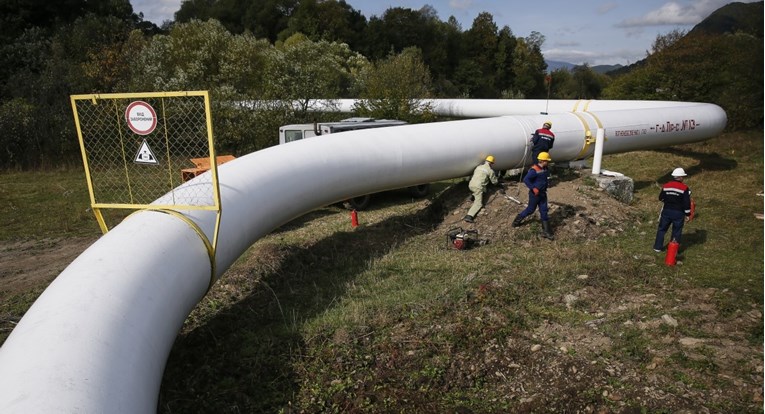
<point>620,188</point>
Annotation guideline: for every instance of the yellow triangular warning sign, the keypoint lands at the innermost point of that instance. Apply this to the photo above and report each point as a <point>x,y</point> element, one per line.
<point>145,155</point>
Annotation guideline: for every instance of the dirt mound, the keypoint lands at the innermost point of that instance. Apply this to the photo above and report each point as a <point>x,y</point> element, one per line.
<point>579,210</point>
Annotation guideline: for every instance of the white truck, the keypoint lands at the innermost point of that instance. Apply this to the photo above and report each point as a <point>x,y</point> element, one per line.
<point>296,132</point>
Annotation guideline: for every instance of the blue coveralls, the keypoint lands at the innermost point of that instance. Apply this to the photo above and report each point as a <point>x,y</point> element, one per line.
<point>536,178</point>
<point>677,205</point>
<point>542,140</point>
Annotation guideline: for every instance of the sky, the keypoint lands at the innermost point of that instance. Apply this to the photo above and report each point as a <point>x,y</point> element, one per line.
<point>596,32</point>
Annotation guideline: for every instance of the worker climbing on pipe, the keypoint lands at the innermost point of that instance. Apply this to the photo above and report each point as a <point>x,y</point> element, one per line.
<point>482,176</point>
<point>676,196</point>
<point>536,181</point>
<point>542,140</point>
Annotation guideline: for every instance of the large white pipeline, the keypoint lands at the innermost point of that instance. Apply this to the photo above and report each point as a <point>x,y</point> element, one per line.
<point>483,108</point>
<point>98,338</point>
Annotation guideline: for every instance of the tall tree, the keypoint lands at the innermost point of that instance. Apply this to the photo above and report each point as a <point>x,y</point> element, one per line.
<point>263,18</point>
<point>267,18</point>
<point>435,45</point>
<point>394,88</point>
<point>303,70</point>
<point>504,77</point>
<point>562,85</point>
<point>300,71</point>
<point>22,20</point>
<point>194,9</point>
<point>18,15</point>
<point>529,67</point>
<point>481,55</point>
<point>334,21</point>
<point>397,29</point>
<point>187,58</point>
<point>588,84</point>
<point>450,49</point>
<point>47,69</point>
<point>205,56</point>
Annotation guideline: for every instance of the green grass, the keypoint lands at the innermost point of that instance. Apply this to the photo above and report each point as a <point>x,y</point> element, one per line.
<point>724,244</point>
<point>37,205</point>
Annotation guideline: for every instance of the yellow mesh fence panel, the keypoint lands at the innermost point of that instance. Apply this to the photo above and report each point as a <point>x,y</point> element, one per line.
<point>138,148</point>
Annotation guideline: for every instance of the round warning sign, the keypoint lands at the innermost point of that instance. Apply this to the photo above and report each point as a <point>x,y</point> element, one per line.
<point>141,118</point>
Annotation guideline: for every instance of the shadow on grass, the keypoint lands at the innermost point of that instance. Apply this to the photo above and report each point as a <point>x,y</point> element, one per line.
<point>639,185</point>
<point>308,217</point>
<point>707,162</point>
<point>379,201</point>
<point>241,360</point>
<point>693,238</point>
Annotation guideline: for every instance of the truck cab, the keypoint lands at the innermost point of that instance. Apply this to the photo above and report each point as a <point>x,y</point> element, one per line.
<point>296,132</point>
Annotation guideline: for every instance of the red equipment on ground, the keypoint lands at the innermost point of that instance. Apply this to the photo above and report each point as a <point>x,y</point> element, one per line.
<point>672,248</point>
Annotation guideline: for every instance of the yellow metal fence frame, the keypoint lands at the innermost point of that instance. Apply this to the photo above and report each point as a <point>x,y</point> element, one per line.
<point>172,209</point>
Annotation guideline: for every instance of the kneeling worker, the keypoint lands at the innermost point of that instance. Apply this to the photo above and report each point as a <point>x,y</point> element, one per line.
<point>482,176</point>
<point>536,181</point>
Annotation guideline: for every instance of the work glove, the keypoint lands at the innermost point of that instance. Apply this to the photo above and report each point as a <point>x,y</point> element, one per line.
<point>536,191</point>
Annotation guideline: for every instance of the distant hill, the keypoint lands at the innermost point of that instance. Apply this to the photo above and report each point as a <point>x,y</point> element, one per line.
<point>606,68</point>
<point>553,65</point>
<point>731,18</point>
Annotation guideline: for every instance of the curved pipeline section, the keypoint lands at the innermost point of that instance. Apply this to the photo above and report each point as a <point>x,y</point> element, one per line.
<point>98,338</point>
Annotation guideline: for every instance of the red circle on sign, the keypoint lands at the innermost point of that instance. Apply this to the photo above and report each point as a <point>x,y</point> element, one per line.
<point>141,118</point>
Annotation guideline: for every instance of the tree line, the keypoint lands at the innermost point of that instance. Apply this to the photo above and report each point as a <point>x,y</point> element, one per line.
<point>271,51</point>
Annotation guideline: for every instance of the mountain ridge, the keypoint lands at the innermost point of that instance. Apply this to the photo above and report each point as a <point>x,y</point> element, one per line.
<point>735,17</point>
<point>553,65</point>
<point>732,18</point>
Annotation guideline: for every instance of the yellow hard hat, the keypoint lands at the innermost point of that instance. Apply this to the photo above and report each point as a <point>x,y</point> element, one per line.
<point>544,156</point>
<point>490,158</point>
<point>548,124</point>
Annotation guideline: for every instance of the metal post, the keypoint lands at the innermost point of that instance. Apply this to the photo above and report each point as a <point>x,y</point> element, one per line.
<point>598,155</point>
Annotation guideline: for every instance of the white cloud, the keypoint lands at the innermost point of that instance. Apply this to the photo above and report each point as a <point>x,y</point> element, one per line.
<point>593,58</point>
<point>461,4</point>
<point>568,43</point>
<point>674,13</point>
<point>156,11</point>
<point>606,7</point>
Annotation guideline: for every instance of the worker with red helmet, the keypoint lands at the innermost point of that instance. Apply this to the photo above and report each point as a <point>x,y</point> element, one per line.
<point>542,140</point>
<point>676,196</point>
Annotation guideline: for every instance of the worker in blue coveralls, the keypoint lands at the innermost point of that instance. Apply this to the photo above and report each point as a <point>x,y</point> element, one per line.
<point>542,140</point>
<point>676,196</point>
<point>536,181</point>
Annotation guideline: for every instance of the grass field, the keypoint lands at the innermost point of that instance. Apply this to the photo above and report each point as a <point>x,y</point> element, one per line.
<point>318,317</point>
